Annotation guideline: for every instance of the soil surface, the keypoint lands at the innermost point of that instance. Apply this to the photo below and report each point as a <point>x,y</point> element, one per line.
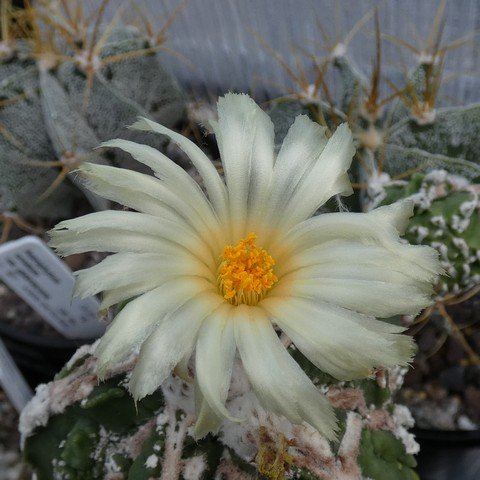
<point>11,467</point>
<point>442,389</point>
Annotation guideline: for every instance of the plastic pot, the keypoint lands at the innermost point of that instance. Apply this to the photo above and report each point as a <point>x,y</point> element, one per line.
<point>448,455</point>
<point>38,357</point>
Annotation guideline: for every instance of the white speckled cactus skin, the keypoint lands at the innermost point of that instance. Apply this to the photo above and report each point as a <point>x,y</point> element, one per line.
<point>447,217</point>
<point>99,435</point>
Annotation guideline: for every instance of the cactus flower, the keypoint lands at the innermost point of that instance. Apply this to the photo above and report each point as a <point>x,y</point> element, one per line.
<point>228,267</point>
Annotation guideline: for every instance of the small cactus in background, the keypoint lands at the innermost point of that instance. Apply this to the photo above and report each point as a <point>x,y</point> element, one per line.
<point>402,131</point>
<point>401,139</point>
<point>76,428</point>
<point>58,63</point>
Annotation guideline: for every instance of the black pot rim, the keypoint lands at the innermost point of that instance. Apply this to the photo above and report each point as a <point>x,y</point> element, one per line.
<point>450,437</point>
<point>36,340</point>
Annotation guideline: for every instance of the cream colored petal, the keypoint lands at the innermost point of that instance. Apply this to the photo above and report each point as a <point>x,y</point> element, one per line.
<point>211,179</point>
<point>342,343</point>
<point>215,352</point>
<point>141,316</point>
<point>175,178</point>
<point>357,261</point>
<point>182,368</point>
<point>302,146</point>
<point>123,269</point>
<point>379,227</point>
<point>106,240</point>
<point>128,187</point>
<point>415,263</point>
<point>280,384</point>
<point>336,270</point>
<point>82,232</point>
<point>207,420</point>
<point>326,178</point>
<point>171,341</point>
<point>120,294</point>
<point>396,214</point>
<point>135,194</point>
<point>380,299</point>
<point>246,142</point>
<point>382,225</point>
<point>134,221</point>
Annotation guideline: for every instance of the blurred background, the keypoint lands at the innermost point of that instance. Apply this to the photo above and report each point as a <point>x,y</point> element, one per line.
<point>226,44</point>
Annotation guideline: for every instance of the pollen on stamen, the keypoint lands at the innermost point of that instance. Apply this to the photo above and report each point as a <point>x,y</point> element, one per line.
<point>245,273</point>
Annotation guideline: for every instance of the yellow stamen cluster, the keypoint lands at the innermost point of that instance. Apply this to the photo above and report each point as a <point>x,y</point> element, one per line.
<point>246,272</point>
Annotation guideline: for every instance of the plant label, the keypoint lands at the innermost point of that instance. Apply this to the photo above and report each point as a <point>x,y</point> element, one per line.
<point>45,282</point>
<point>12,381</point>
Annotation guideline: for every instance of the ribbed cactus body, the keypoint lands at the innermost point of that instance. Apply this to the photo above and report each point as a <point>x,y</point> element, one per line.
<point>52,110</point>
<point>24,138</point>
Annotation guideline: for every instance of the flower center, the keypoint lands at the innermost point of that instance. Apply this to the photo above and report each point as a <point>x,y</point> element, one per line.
<point>246,272</point>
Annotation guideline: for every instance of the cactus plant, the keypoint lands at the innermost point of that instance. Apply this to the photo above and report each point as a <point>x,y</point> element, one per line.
<point>265,444</point>
<point>401,131</point>
<point>78,429</point>
<point>69,68</point>
<point>428,154</point>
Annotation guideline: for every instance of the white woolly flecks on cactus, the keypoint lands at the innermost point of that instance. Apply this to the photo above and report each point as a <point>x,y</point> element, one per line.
<point>75,428</point>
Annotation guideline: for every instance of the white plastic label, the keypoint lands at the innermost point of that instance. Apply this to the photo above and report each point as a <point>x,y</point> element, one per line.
<point>36,274</point>
<point>12,381</point>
